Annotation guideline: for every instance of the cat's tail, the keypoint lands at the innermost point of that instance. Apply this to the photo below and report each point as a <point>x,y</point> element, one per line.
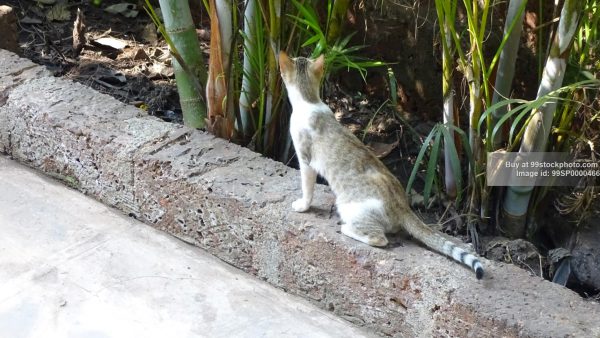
<point>442,244</point>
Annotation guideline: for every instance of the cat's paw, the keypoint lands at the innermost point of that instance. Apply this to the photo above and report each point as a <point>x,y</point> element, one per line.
<point>300,205</point>
<point>377,240</point>
<point>373,238</point>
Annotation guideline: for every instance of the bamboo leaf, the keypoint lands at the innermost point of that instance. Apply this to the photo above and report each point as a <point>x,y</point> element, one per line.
<point>454,160</point>
<point>525,108</point>
<point>466,147</point>
<point>314,39</point>
<point>495,106</point>
<point>419,159</point>
<point>431,166</point>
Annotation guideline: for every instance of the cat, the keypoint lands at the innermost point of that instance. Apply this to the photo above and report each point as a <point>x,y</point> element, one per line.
<point>370,200</point>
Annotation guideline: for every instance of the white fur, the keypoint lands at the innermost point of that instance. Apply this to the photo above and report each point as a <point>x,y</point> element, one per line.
<point>308,177</point>
<point>299,121</point>
<point>352,211</point>
<point>301,205</point>
<point>299,105</point>
<point>448,247</point>
<point>456,253</point>
<point>469,259</point>
<point>348,230</point>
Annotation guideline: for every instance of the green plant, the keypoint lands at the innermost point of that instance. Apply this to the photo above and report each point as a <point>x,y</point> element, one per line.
<point>433,143</point>
<point>188,65</point>
<point>476,71</point>
<point>338,55</point>
<point>558,105</point>
<point>263,117</point>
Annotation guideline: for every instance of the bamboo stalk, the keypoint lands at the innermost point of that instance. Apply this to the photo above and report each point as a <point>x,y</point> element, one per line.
<point>220,113</point>
<point>249,89</point>
<point>536,135</point>
<point>336,20</point>
<point>273,93</point>
<point>179,27</point>
<point>448,102</point>
<point>506,63</point>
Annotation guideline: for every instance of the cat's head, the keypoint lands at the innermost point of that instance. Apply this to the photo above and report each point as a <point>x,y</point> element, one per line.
<point>302,73</point>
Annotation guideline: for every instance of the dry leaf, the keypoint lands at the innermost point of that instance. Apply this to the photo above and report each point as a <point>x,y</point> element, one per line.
<point>126,9</point>
<point>382,149</point>
<point>111,42</point>
<point>78,33</point>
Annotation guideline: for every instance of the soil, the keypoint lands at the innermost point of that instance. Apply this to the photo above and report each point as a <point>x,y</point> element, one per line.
<point>126,58</point>
<point>138,72</point>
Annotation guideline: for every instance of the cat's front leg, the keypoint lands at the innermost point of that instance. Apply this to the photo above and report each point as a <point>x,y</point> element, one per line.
<point>308,177</point>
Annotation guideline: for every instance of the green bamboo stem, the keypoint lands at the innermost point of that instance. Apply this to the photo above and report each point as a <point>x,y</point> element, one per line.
<point>225,11</point>
<point>180,28</point>
<point>273,73</point>
<point>506,63</point>
<point>251,48</point>
<point>336,20</point>
<point>448,102</point>
<point>221,114</point>
<point>535,139</point>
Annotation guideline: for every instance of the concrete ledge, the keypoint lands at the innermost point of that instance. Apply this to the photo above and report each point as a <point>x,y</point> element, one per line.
<point>236,205</point>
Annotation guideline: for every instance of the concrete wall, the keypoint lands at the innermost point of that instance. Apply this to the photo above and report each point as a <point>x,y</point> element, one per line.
<point>236,205</point>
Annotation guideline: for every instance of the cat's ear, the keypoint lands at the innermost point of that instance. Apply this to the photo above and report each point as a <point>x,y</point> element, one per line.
<point>285,64</point>
<point>318,65</point>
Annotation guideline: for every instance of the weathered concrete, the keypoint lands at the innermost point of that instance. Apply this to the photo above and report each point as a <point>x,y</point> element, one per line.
<point>236,205</point>
<point>72,267</point>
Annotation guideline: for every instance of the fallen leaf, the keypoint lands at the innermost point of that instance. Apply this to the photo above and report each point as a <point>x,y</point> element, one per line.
<point>382,149</point>
<point>140,54</point>
<point>126,9</point>
<point>78,33</point>
<point>111,42</point>
<point>159,70</point>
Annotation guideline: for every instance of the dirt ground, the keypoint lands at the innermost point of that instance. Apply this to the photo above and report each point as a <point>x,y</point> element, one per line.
<point>126,58</point>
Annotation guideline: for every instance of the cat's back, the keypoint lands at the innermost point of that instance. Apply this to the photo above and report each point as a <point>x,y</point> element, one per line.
<point>351,169</point>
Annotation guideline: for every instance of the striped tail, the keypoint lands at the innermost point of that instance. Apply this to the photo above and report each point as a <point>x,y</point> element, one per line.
<point>440,243</point>
<point>461,255</point>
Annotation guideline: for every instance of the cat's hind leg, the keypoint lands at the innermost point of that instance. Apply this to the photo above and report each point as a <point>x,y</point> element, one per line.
<point>371,235</point>
<point>363,221</point>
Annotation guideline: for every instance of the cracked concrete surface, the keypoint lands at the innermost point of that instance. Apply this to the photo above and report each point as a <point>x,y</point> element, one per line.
<point>236,205</point>
<point>72,267</point>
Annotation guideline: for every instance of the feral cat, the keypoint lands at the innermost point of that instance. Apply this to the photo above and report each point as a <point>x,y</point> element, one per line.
<point>370,200</point>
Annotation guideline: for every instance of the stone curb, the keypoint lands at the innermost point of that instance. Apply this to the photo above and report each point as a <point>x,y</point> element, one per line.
<point>236,205</point>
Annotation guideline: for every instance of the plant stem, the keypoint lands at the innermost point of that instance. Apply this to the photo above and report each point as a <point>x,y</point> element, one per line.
<point>179,27</point>
<point>506,63</point>
<point>537,133</point>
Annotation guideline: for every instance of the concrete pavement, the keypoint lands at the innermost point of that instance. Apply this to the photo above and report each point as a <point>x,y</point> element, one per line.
<point>72,267</point>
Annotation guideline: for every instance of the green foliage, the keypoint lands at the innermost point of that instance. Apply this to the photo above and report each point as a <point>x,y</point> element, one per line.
<point>338,55</point>
<point>263,117</point>
<point>520,109</point>
<point>188,64</point>
<point>574,120</point>
<point>255,88</point>
<point>432,145</point>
